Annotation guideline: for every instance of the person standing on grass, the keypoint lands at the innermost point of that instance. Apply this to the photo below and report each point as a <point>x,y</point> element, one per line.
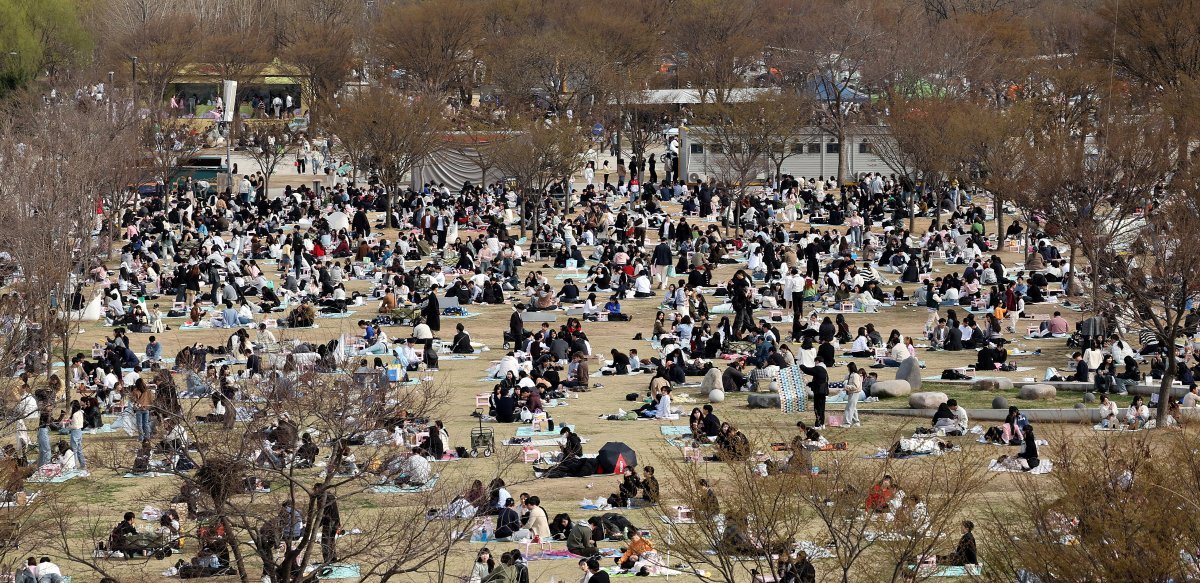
<point>854,384</point>
<point>820,390</point>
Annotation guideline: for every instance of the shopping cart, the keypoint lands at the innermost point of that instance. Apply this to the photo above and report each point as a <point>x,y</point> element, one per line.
<point>482,440</point>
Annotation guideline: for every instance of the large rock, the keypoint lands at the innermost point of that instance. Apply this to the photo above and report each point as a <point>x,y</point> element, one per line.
<point>1037,392</point>
<point>889,389</point>
<point>992,384</point>
<point>763,400</point>
<point>1089,397</point>
<point>716,395</point>
<point>711,381</point>
<point>926,400</point>
<point>910,370</point>
<point>1000,402</point>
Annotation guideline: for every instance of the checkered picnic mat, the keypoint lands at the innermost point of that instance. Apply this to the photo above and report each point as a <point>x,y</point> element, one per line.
<point>792,395</point>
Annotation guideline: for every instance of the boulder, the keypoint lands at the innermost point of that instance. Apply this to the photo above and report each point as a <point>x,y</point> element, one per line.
<point>1080,405</point>
<point>716,395</point>
<point>888,389</point>
<point>910,370</point>
<point>926,400</point>
<point>763,400</point>
<point>992,384</point>
<point>999,403</point>
<point>1089,397</point>
<point>1037,392</point>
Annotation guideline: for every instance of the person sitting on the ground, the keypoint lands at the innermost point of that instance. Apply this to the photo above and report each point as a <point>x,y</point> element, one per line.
<point>650,489</point>
<point>1029,451</point>
<point>123,534</point>
<point>711,423</point>
<point>462,341</point>
<point>732,445</point>
<point>627,490</point>
<point>881,495</point>
<point>965,552</point>
<point>416,470</point>
<point>507,521</point>
<point>637,547</point>
<point>580,540</point>
<point>579,380</point>
<point>734,378</point>
<point>572,445</point>
<point>810,437</point>
<point>1138,414</point>
<point>1192,398</point>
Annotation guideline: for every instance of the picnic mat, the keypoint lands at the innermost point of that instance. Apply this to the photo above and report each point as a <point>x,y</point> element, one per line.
<point>527,431</point>
<point>338,316</point>
<point>948,570</point>
<point>146,475</point>
<point>1044,467</point>
<point>394,489</point>
<point>338,571</point>
<point>538,442</point>
<point>63,477</point>
<point>675,430</point>
<point>464,316</point>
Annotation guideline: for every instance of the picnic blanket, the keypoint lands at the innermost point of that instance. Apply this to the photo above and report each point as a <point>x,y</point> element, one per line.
<point>675,430</point>
<point>539,442</point>
<point>338,571</point>
<point>146,475</point>
<point>463,316</point>
<point>527,431</point>
<point>63,477</point>
<point>1045,467</point>
<point>394,489</point>
<point>948,570</point>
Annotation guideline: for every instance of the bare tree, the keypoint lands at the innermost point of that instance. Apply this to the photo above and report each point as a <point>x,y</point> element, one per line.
<point>395,132</point>
<point>268,145</point>
<point>538,154</point>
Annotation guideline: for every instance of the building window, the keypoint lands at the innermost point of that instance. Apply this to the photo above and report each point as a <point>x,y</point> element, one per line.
<point>797,148</point>
<point>697,148</point>
<point>814,148</point>
<point>865,148</point>
<point>716,148</point>
<point>833,148</point>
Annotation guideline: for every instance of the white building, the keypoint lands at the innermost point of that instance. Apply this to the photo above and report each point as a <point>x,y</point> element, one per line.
<point>813,153</point>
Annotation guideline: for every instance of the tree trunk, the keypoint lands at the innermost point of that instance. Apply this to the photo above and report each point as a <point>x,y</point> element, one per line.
<point>1068,288</point>
<point>523,204</point>
<point>999,211</point>
<point>1164,387</point>
<point>843,155</point>
<point>234,545</point>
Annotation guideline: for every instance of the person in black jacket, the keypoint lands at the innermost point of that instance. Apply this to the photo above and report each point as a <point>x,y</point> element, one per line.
<point>1081,368</point>
<point>516,327</point>
<point>461,344</point>
<point>825,353</point>
<point>953,338</point>
<point>505,406</point>
<point>432,311</point>
<point>820,389</point>
<point>711,423</point>
<point>330,521</point>
<point>573,446</point>
<point>965,553</point>
<point>508,521</point>
<point>432,444</point>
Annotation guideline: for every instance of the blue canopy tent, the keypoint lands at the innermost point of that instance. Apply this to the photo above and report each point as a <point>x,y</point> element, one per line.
<point>827,89</point>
